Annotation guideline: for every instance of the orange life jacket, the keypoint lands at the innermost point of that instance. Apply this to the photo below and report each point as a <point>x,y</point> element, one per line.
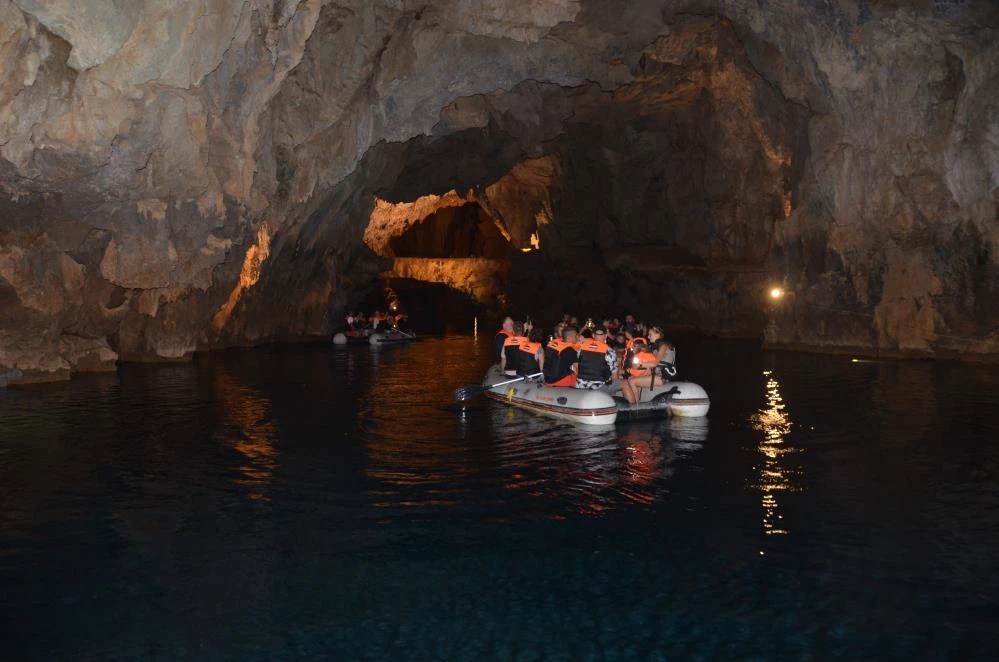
<point>529,358</point>
<point>593,361</point>
<point>634,340</point>
<point>558,361</point>
<point>635,367</point>
<point>498,341</point>
<point>511,349</point>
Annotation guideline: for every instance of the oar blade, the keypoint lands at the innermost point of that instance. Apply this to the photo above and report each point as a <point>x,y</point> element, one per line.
<point>467,393</point>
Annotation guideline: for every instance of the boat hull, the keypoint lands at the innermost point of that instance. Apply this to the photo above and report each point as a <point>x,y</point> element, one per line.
<point>680,399</point>
<point>374,339</point>
<point>571,404</point>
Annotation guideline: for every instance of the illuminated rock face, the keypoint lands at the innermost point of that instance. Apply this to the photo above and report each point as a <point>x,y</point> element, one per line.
<point>178,176</point>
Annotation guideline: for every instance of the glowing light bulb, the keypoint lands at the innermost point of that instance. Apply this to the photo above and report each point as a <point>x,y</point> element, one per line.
<point>776,293</point>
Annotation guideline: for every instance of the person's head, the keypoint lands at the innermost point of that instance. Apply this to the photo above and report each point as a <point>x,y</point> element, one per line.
<point>655,332</point>
<point>629,319</point>
<point>569,334</point>
<point>620,339</point>
<point>508,324</point>
<point>639,345</point>
<point>573,321</point>
<point>535,335</point>
<point>606,323</point>
<point>600,334</point>
<point>566,317</point>
<point>586,333</point>
<point>629,332</point>
<point>518,328</point>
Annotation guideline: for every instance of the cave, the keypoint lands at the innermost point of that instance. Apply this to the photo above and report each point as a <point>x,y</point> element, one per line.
<point>679,160</point>
<point>453,232</point>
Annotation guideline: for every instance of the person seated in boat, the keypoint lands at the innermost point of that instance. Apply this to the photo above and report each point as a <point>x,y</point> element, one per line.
<point>641,368</point>
<point>510,358</point>
<point>532,354</point>
<point>560,327</point>
<point>630,342</point>
<point>598,367</point>
<point>665,354</point>
<point>562,359</point>
<point>506,331</point>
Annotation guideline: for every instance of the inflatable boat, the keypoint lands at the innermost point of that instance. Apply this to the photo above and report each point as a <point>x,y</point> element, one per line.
<point>572,404</point>
<point>391,337</point>
<point>684,399</point>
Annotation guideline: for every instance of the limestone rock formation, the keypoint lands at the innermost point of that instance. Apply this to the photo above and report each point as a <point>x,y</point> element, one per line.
<point>179,176</point>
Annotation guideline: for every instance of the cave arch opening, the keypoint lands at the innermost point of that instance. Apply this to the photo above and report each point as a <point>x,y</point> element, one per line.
<point>430,308</point>
<point>662,196</point>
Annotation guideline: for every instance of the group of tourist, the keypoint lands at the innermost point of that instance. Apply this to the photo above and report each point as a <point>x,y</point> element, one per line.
<point>359,324</point>
<point>587,357</point>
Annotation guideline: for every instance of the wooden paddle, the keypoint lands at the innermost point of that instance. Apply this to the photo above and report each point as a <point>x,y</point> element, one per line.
<point>472,390</point>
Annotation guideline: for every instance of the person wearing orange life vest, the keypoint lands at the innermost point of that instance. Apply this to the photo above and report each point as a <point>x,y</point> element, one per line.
<point>505,332</point>
<point>641,367</point>
<point>532,355</point>
<point>598,366</point>
<point>629,350</point>
<point>561,359</point>
<point>510,358</point>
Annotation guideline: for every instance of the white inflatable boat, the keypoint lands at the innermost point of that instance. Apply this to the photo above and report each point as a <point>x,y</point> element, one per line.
<point>685,399</point>
<point>391,337</point>
<point>573,404</point>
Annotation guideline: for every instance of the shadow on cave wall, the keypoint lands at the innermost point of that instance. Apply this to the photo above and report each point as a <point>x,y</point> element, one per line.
<point>661,196</point>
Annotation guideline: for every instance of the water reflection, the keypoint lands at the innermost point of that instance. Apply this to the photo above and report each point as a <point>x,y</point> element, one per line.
<point>589,471</point>
<point>775,424</point>
<point>247,429</point>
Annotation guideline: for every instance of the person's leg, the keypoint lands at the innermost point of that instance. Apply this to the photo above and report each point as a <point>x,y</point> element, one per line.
<point>628,391</point>
<point>635,384</point>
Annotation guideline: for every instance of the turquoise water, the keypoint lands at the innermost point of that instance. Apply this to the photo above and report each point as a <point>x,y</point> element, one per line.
<point>312,503</point>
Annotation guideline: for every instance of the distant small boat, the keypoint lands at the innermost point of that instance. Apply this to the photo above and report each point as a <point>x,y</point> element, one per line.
<point>390,337</point>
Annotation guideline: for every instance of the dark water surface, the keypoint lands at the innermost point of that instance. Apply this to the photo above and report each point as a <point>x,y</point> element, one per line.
<point>311,503</point>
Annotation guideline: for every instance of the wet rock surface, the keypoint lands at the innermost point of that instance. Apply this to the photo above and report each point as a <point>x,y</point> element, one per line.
<point>177,177</point>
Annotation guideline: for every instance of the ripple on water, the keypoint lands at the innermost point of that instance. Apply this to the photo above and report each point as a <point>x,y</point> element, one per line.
<point>337,504</point>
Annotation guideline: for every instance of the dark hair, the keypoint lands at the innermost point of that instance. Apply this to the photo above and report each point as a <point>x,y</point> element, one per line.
<point>567,331</point>
<point>536,335</point>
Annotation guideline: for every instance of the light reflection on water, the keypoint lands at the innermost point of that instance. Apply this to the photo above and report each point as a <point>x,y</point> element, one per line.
<point>774,421</point>
<point>247,429</point>
<point>336,504</point>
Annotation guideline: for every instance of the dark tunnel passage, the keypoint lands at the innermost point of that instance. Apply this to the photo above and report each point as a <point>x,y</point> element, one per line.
<point>430,308</point>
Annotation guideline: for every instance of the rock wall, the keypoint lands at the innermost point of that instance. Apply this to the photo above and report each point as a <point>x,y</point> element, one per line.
<point>179,176</point>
